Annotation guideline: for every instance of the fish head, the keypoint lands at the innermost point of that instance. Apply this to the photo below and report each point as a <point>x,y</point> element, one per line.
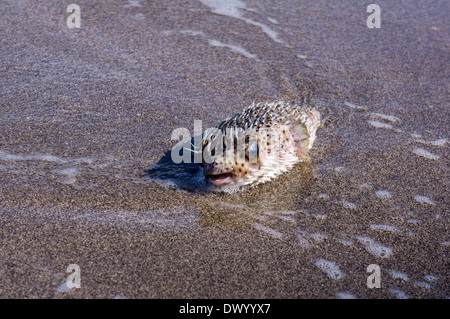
<point>238,157</point>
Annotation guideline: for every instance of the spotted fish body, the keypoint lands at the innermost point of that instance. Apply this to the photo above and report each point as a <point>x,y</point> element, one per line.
<point>262,142</point>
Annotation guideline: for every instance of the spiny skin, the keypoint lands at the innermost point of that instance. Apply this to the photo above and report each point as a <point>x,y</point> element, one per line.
<point>260,143</point>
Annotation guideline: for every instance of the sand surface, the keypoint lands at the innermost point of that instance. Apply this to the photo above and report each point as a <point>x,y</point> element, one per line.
<point>84,112</point>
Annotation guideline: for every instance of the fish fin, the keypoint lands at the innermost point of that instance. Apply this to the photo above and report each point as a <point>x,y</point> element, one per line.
<point>301,140</point>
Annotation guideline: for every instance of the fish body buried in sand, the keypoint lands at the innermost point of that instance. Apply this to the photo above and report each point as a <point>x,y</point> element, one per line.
<point>260,143</point>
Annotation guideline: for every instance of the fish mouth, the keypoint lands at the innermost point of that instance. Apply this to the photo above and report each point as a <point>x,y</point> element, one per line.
<point>219,179</point>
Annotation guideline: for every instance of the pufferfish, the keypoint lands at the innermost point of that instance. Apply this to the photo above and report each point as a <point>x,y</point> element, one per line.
<point>258,144</point>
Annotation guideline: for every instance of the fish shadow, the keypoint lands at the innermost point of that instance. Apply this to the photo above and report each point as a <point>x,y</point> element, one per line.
<point>185,176</point>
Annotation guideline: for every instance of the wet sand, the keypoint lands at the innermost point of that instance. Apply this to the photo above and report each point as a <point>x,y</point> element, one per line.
<point>85,112</point>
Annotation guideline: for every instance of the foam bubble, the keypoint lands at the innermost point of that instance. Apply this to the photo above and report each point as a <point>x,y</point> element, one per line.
<point>384,227</point>
<point>345,241</point>
<point>133,4</point>
<point>63,288</point>
<point>289,213</point>
<point>235,9</point>
<point>70,174</point>
<point>356,107</point>
<point>192,32</point>
<point>424,200</point>
<point>348,205</point>
<point>389,118</point>
<point>302,240</point>
<point>439,142</point>
<point>330,268</point>
<point>233,48</point>
<point>345,295</point>
<point>365,186</point>
<point>424,153</point>
<point>398,275</point>
<point>399,294</point>
<point>422,284</point>
<point>383,194</point>
<point>378,124</point>
<point>318,236</point>
<point>431,278</point>
<point>268,231</point>
<point>374,247</point>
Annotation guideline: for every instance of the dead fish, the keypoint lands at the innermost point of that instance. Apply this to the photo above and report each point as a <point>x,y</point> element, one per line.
<point>258,144</point>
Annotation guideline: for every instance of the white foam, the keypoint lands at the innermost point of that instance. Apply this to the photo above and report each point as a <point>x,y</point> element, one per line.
<point>323,196</point>
<point>383,194</point>
<point>231,8</point>
<point>384,227</point>
<point>345,241</point>
<point>422,284</point>
<point>365,186</point>
<point>389,118</point>
<point>439,142</point>
<point>345,295</point>
<point>133,4</point>
<point>289,213</point>
<point>424,153</point>
<point>399,294</point>
<point>10,157</point>
<point>233,48</point>
<point>356,107</point>
<point>287,219</point>
<point>192,32</point>
<point>301,56</point>
<point>41,157</point>
<point>330,268</point>
<point>398,275</point>
<point>63,288</point>
<point>374,247</point>
<point>318,237</point>
<point>302,238</point>
<point>269,231</point>
<point>431,278</point>
<point>234,9</point>
<point>424,200</point>
<point>70,174</point>
<point>139,16</point>
<point>378,124</point>
<point>274,21</point>
<point>348,205</point>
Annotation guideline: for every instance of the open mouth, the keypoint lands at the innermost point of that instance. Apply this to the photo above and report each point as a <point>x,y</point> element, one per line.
<point>219,179</point>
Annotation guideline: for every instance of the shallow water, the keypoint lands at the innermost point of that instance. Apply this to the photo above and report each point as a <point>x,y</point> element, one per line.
<point>86,112</point>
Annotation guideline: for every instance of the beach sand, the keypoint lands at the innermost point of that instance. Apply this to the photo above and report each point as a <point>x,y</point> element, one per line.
<point>85,112</point>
